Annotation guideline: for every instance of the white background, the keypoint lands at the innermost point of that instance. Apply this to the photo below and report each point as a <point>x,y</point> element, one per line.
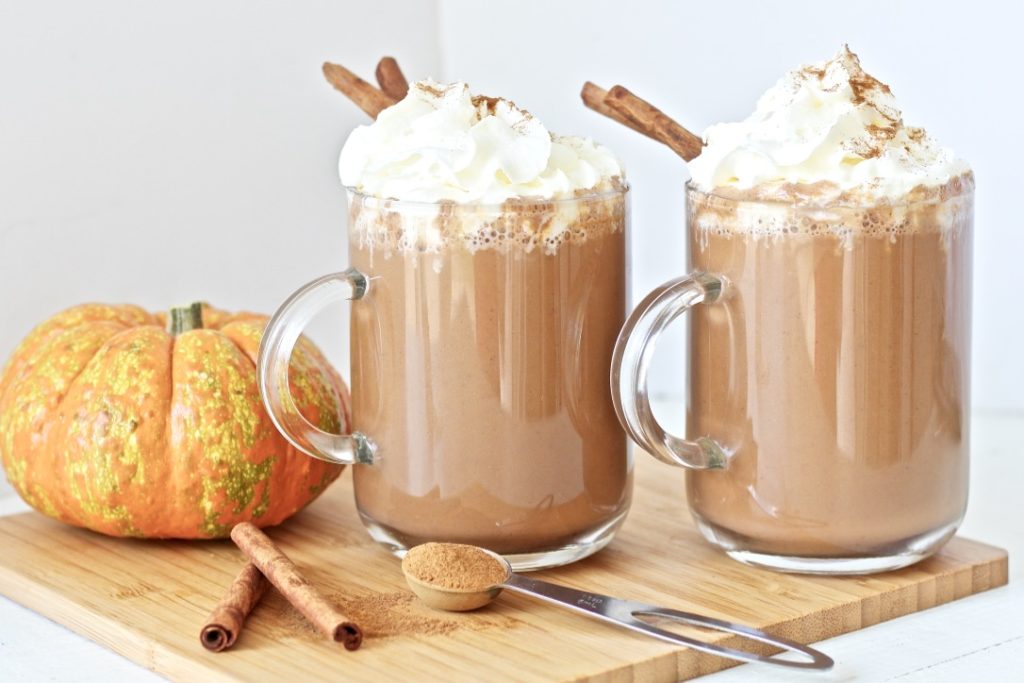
<point>160,152</point>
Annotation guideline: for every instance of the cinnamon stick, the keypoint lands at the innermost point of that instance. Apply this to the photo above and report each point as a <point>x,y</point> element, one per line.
<point>593,96</point>
<point>391,79</point>
<point>363,94</point>
<point>225,622</point>
<point>286,577</point>
<point>654,122</point>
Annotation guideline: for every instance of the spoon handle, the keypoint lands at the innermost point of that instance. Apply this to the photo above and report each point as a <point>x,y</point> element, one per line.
<point>625,612</point>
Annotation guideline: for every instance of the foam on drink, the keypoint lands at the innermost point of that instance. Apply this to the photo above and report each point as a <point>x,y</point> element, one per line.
<point>825,133</point>
<point>444,146</point>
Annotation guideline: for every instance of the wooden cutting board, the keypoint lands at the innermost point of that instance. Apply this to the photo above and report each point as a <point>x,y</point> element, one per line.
<point>147,600</point>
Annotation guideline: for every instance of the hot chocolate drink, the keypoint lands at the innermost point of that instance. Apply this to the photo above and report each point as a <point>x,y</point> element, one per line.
<point>829,368</point>
<point>496,260</point>
<point>480,367</point>
<point>837,368</point>
<point>488,284</point>
<point>848,418</point>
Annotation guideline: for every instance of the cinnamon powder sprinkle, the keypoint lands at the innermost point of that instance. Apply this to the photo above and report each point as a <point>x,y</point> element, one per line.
<point>454,566</point>
<point>393,614</point>
<point>380,615</point>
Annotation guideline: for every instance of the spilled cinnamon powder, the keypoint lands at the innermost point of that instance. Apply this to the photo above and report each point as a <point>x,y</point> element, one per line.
<point>454,566</point>
<point>395,614</point>
<point>382,615</point>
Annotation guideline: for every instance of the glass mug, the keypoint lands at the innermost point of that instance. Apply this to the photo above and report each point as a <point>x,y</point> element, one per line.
<point>828,398</point>
<point>481,341</point>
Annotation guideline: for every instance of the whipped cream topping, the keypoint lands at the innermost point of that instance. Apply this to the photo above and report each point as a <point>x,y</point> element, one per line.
<point>441,143</point>
<point>822,131</point>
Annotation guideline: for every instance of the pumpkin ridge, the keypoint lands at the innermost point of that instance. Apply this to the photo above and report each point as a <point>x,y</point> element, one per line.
<point>103,444</point>
<point>58,334</point>
<point>170,448</point>
<point>67,320</point>
<point>71,384</point>
<point>314,386</point>
<point>240,317</point>
<point>223,434</point>
<point>264,505</point>
<point>22,472</point>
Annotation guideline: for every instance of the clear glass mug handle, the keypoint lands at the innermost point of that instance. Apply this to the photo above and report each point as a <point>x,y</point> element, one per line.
<point>631,361</point>
<point>279,340</point>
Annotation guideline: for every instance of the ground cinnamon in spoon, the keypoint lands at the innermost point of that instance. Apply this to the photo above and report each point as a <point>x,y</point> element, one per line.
<point>454,566</point>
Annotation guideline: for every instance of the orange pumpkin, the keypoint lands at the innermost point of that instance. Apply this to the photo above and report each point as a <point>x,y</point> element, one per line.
<point>111,422</point>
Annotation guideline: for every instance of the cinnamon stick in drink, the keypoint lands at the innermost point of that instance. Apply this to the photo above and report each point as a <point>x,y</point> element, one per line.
<point>286,577</point>
<point>594,95</point>
<point>225,622</point>
<point>391,79</point>
<point>654,122</point>
<point>364,95</point>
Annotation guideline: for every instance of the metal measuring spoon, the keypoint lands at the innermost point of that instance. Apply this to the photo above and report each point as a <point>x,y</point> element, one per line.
<point>619,612</point>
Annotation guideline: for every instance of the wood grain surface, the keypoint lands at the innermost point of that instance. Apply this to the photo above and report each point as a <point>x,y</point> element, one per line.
<point>147,600</point>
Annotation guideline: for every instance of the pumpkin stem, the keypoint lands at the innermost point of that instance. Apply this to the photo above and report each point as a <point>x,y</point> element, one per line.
<point>184,318</point>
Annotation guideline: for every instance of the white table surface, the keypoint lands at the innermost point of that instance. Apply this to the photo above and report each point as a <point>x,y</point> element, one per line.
<point>980,638</point>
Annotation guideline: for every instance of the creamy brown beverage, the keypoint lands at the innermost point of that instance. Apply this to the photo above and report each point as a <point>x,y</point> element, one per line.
<point>480,368</point>
<point>827,421</point>
<point>837,373</point>
<point>488,282</point>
